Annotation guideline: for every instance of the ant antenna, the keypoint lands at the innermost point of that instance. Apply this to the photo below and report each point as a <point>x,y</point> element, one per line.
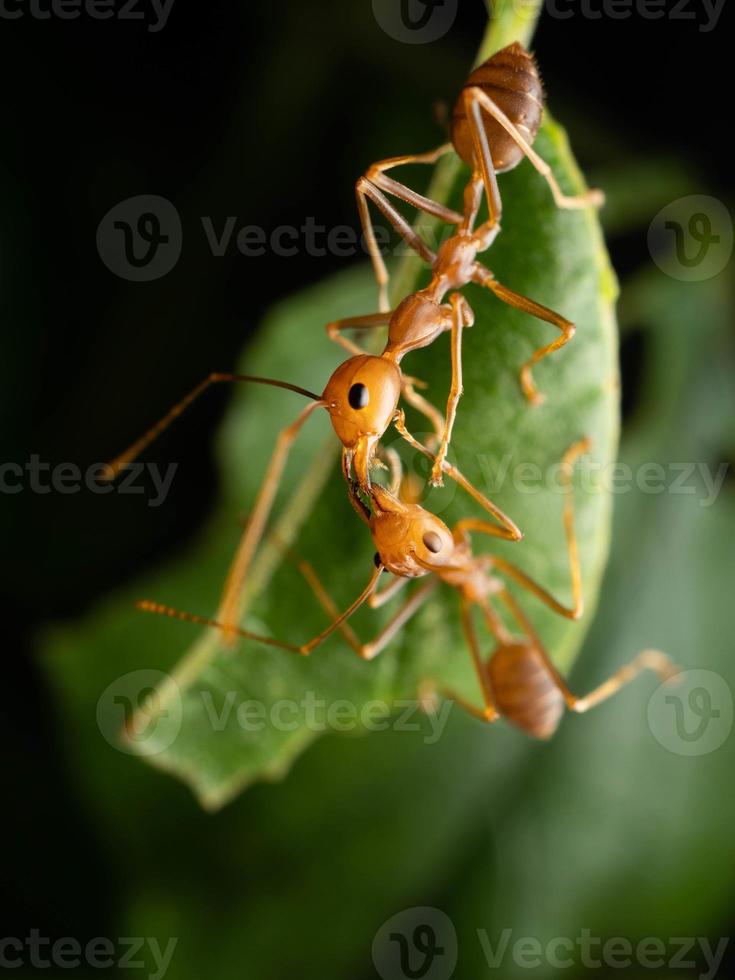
<point>158,609</point>
<point>112,469</point>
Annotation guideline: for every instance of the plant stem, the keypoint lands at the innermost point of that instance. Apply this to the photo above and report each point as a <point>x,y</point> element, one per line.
<point>510,20</point>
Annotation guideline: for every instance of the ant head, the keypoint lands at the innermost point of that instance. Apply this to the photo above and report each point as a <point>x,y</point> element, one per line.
<point>416,323</point>
<point>361,398</point>
<point>410,540</point>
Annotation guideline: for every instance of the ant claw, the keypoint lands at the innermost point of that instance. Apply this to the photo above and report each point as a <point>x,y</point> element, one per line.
<point>428,697</point>
<point>536,398</point>
<point>596,198</point>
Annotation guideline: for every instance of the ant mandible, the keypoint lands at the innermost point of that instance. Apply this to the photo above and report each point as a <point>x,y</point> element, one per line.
<point>518,681</point>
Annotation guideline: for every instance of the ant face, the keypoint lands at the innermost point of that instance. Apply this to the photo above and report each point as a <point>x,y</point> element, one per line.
<point>361,398</point>
<point>410,541</point>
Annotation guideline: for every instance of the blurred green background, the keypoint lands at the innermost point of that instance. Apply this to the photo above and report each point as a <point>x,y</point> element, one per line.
<point>270,114</point>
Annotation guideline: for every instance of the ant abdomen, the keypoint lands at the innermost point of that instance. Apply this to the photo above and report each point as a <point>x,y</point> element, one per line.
<point>511,79</point>
<point>524,691</point>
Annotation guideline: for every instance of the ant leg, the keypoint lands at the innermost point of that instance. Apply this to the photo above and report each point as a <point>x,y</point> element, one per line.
<point>507,530</point>
<point>489,713</point>
<point>304,649</point>
<point>327,603</point>
<point>410,487</point>
<point>392,462</point>
<point>402,615</point>
<point>378,599</point>
<point>472,200</point>
<point>113,468</point>
<point>653,660</point>
<point>429,411</point>
<point>474,98</point>
<point>367,651</point>
<point>577,608</point>
<point>462,316</point>
<point>376,174</point>
<point>367,322</point>
<point>375,178</point>
<point>567,328</point>
<point>375,600</point>
<point>484,156</point>
<point>231,602</point>
<point>364,191</point>
<point>535,640</point>
<point>307,570</point>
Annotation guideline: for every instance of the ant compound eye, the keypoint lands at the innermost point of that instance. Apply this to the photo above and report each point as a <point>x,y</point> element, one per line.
<point>432,542</point>
<point>377,560</point>
<point>358,396</point>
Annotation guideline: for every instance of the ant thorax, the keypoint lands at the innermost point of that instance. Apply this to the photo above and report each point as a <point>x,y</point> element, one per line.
<point>455,263</point>
<point>469,574</point>
<point>417,321</point>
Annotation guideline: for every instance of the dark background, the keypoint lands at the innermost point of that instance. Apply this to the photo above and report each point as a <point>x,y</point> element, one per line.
<point>264,111</point>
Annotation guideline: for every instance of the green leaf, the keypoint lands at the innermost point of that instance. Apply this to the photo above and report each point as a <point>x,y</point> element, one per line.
<point>555,257</point>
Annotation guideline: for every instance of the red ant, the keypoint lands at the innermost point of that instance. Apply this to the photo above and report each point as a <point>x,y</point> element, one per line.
<point>518,681</point>
<point>508,90</point>
<point>361,406</point>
